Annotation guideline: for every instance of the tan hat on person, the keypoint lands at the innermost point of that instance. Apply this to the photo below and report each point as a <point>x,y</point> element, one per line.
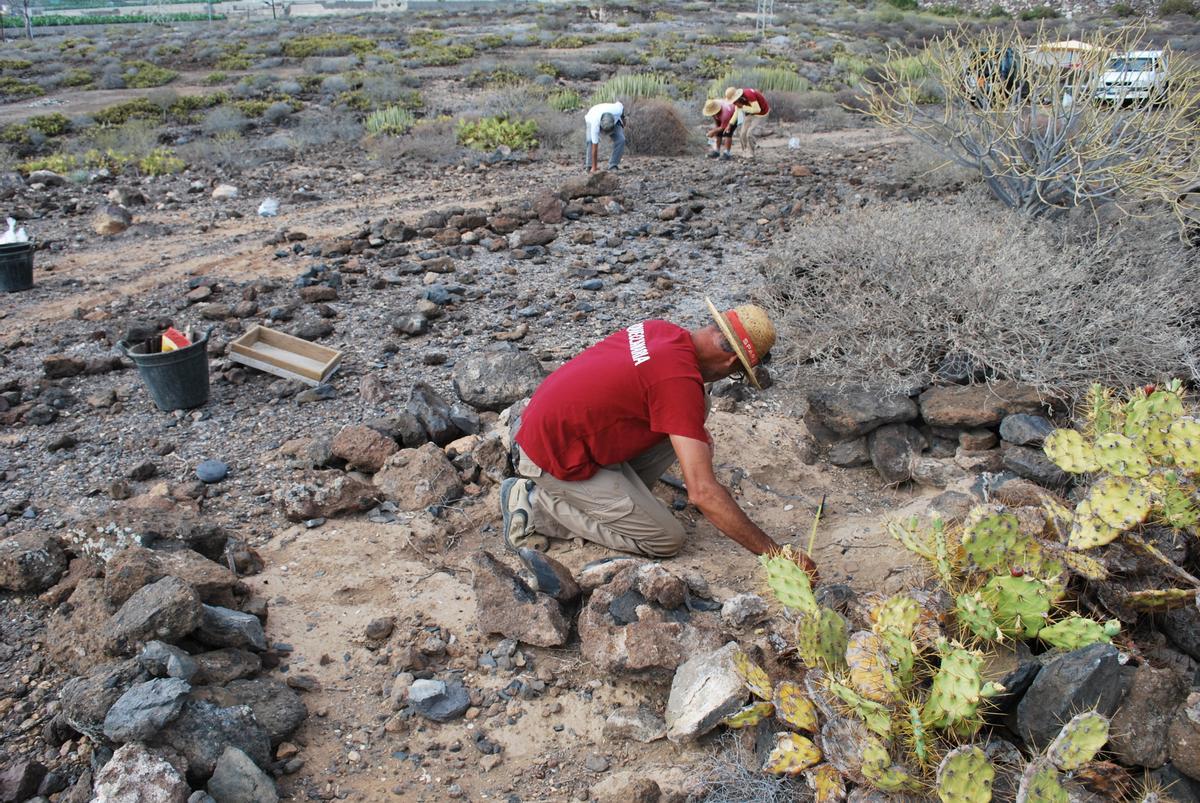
<point>732,94</point>
<point>749,331</point>
<point>711,107</point>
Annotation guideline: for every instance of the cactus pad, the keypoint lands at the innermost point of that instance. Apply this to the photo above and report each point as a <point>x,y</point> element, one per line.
<point>792,755</point>
<point>1070,452</point>
<point>826,783</point>
<point>1088,530</point>
<point>899,613</point>
<point>974,614</point>
<point>1078,741</point>
<point>1076,632</point>
<point>821,639</point>
<point>876,717</point>
<point>990,539</point>
<point>793,706</point>
<point>790,584</point>
<point>956,692</point>
<point>1020,604</point>
<point>1119,502</point>
<point>1183,442</point>
<point>1120,456</point>
<point>756,679</point>
<point>1085,565</point>
<point>870,674</point>
<point>1040,784</point>
<point>1163,599</point>
<point>749,716</point>
<point>881,773</point>
<point>965,776</point>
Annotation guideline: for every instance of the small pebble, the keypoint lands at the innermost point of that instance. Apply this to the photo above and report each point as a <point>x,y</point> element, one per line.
<point>211,471</point>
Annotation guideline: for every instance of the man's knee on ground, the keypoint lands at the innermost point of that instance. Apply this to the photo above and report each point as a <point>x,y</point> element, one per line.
<point>664,545</point>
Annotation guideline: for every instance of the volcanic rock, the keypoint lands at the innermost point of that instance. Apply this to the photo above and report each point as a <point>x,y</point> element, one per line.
<point>505,604</point>
<point>497,377</point>
<point>417,478</point>
<point>363,448</point>
<point>31,561</point>
<point>706,689</point>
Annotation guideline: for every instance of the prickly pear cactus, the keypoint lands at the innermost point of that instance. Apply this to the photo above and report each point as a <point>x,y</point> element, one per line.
<point>965,776</point>
<point>875,716</point>
<point>1163,599</point>
<point>1075,632</point>
<point>789,583</point>
<point>1119,501</point>
<point>989,539</point>
<point>826,783</point>
<point>957,691</point>
<point>870,674</point>
<point>793,706</point>
<point>1040,784</point>
<point>1183,443</point>
<point>749,715</point>
<point>881,773</point>
<point>931,544</point>
<point>1120,456</point>
<point>792,755</point>
<point>1078,741</point>
<point>976,616</point>
<point>821,639</point>
<point>1020,604</point>
<point>1085,565</point>
<point>755,677</point>
<point>899,613</point>
<point>1070,452</point>
<point>1088,529</point>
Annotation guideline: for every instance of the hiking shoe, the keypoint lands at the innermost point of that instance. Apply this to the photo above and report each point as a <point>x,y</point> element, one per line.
<point>713,154</point>
<point>516,512</point>
<point>725,155</point>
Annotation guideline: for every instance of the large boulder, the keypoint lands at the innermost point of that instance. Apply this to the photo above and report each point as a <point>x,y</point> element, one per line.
<point>142,711</point>
<point>136,566</point>
<point>276,707</point>
<point>590,186</point>
<point>166,610</point>
<point>850,412</point>
<point>496,378</point>
<point>1090,678</point>
<point>972,406</point>
<point>706,689</point>
<point>31,562</point>
<point>202,731</point>
<point>135,774</point>
<point>325,494</point>
<point>222,627</point>
<point>75,631</point>
<point>19,781</point>
<point>1138,732</point>
<point>363,447</point>
<point>505,604</point>
<point>417,478</point>
<point>86,700</point>
<point>434,413</point>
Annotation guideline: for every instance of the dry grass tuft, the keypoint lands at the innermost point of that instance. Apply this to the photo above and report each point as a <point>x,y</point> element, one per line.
<point>657,128</point>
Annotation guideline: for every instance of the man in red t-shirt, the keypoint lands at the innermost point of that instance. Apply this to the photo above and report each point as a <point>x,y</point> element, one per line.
<point>725,119</point>
<point>754,107</point>
<point>602,428</point>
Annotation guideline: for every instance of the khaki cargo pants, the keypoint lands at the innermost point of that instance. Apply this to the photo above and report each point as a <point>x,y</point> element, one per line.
<point>745,140</point>
<point>614,507</point>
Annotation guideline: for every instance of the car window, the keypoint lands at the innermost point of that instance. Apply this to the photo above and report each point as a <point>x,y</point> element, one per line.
<point>1132,65</point>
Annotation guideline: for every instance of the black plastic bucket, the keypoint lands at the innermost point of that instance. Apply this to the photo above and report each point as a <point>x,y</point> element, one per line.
<point>16,267</point>
<point>178,380</point>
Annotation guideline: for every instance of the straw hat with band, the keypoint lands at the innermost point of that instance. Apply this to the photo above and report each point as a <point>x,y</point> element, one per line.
<point>732,94</point>
<point>711,106</point>
<point>750,333</point>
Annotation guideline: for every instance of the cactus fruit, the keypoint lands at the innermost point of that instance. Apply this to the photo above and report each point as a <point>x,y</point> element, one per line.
<point>1076,632</point>
<point>792,755</point>
<point>1163,599</point>
<point>989,541</point>
<point>876,717</point>
<point>755,678</point>
<point>957,691</point>
<point>1119,502</point>
<point>1040,784</point>
<point>1120,456</point>
<point>826,783</point>
<point>974,614</point>
<point>1183,442</point>
<point>1020,604</point>
<point>821,639</point>
<point>965,776</point>
<point>1088,530</point>
<point>789,583</point>
<point>1070,452</point>
<point>1078,741</point>
<point>749,716</point>
<point>881,773</point>
<point>870,674</point>
<point>793,707</point>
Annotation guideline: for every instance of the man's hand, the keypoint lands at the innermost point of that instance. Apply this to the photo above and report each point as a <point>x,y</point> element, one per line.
<point>806,563</point>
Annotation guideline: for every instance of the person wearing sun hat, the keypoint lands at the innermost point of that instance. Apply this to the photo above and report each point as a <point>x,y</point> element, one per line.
<point>725,122</point>
<point>754,107</point>
<point>600,430</point>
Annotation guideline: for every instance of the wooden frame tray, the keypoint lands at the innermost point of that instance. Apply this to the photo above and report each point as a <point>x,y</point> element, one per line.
<point>286,356</point>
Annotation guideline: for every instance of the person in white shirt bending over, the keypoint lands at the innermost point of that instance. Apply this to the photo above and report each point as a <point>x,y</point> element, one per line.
<point>604,118</point>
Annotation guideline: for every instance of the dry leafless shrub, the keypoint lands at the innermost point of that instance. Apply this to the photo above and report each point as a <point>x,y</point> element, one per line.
<point>927,170</point>
<point>227,152</point>
<point>790,107</point>
<point>885,295</point>
<point>735,776</point>
<point>657,128</point>
<point>432,141</point>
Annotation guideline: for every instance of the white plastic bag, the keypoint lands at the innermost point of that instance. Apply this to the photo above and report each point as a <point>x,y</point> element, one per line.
<point>269,207</point>
<point>9,236</point>
<point>794,144</point>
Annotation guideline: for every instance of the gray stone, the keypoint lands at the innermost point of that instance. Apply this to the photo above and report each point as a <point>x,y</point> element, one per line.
<point>744,609</point>
<point>210,471</point>
<point>1032,464</point>
<point>935,473</point>
<point>1024,429</point>
<point>496,378</point>
<point>142,711</point>
<point>418,478</point>
<point>86,700</point>
<point>505,604</point>
<point>1184,737</point>
<point>1178,787</point>
<point>236,779</point>
<point>433,412</point>
<point>437,700</point>
<point>167,660</point>
<point>548,576</point>
<point>325,495</point>
<point>19,781</point>
<point>222,627</point>
<point>1182,627</point>
<point>973,406</point>
<point>134,774</point>
<point>202,731</point>
<point>1088,678</point>
<point>276,707</point>
<point>857,411</point>
<point>111,219</point>
<point>1138,731</point>
<point>218,667</point>
<point>167,610</point>
<point>31,561</point>
<point>849,454</point>
<point>892,448</point>
<point>705,690</point>
<point>635,723</point>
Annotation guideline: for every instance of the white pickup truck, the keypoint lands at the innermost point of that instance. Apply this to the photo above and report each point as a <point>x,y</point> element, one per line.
<point>1140,75</point>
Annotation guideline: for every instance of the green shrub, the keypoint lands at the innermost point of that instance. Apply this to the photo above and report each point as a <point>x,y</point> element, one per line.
<point>215,78</point>
<point>77,77</point>
<point>632,86</point>
<point>425,38</point>
<point>491,41</point>
<point>998,12</point>
<point>356,99</point>
<point>911,68</point>
<point>565,100</point>
<point>15,64</point>
<point>390,122</point>
<point>440,55</point>
<point>252,108</point>
<point>905,5</point>
<point>764,79</point>
<point>18,88</point>
<point>945,11</point>
<point>329,44</point>
<point>1040,13</point>
<point>233,61</point>
<point>1170,8</point>
<point>492,132</point>
<point>567,42</point>
<point>161,162</point>
<point>500,77</point>
<point>143,74</point>
<point>1122,10</point>
<point>15,134</point>
<point>52,125</point>
<point>119,113</point>
<point>712,66</point>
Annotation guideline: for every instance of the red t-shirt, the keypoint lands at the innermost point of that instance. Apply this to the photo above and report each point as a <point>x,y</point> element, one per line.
<point>754,96</point>
<point>614,401</point>
<point>728,110</point>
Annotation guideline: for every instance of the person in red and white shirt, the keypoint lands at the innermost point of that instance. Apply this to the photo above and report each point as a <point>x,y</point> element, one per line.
<point>603,428</point>
<point>725,119</point>
<point>753,106</point>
